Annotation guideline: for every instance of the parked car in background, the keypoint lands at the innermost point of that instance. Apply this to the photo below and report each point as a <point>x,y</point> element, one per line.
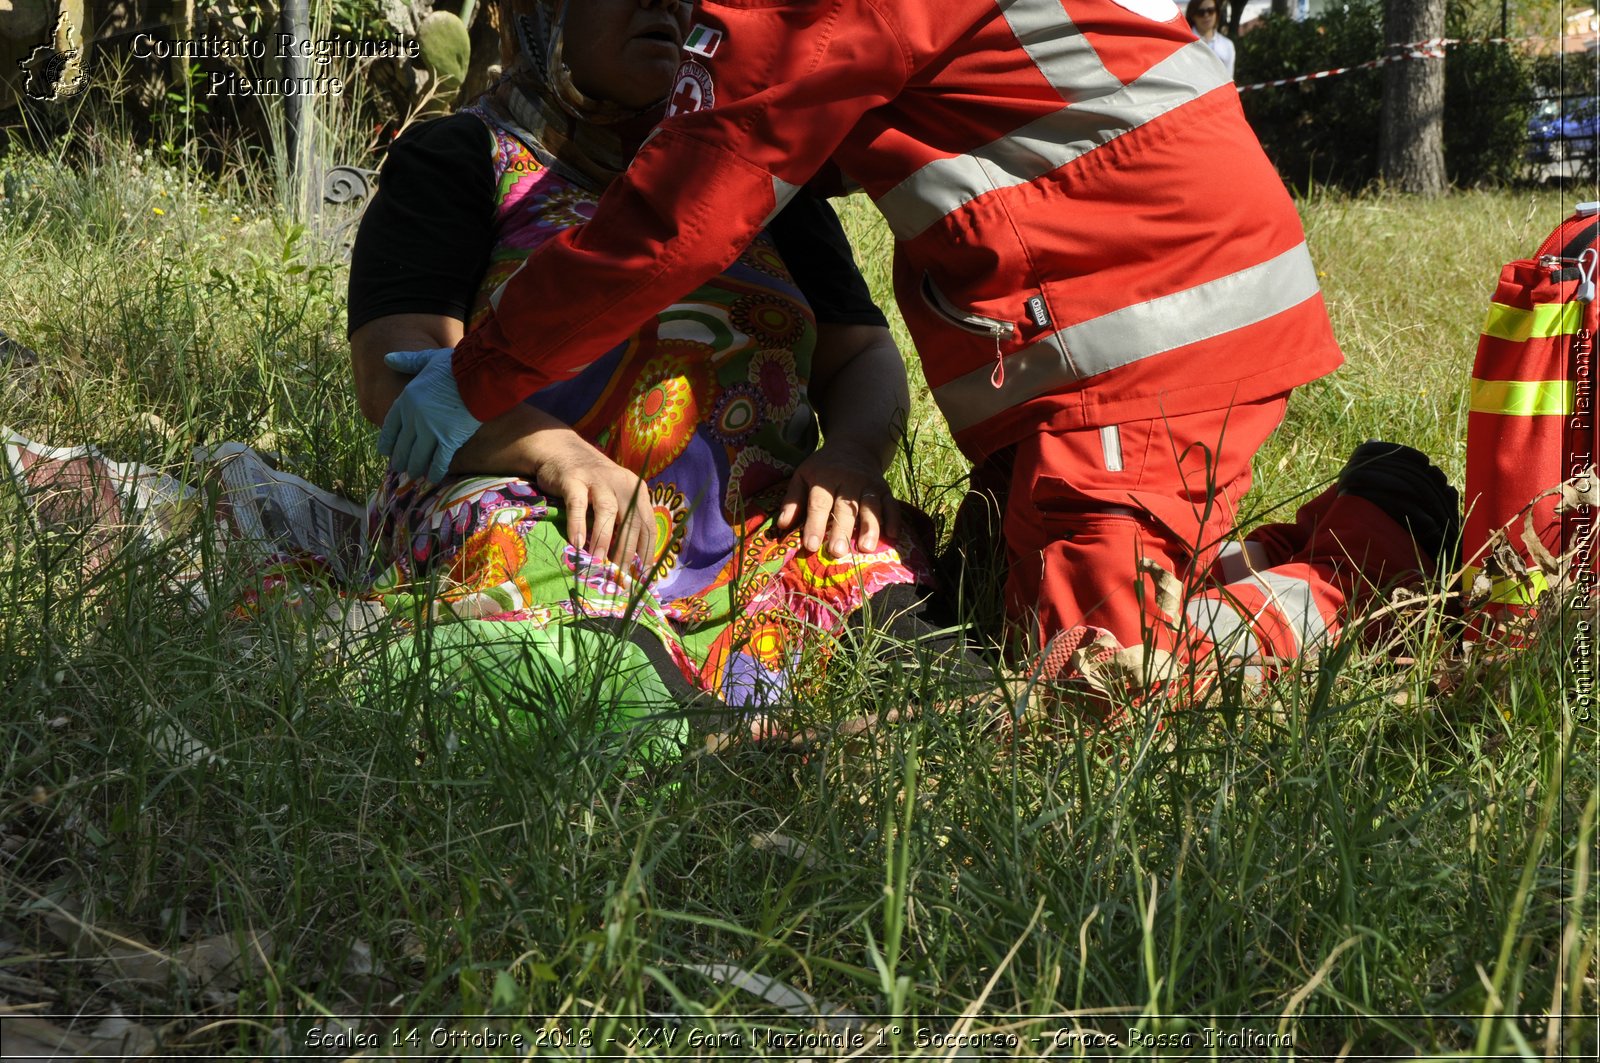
<point>1564,129</point>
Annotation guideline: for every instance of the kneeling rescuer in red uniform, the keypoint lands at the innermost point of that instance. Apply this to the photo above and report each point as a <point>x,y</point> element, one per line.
<point>1107,283</point>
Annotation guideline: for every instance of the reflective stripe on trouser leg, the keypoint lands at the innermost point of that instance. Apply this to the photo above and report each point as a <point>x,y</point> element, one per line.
<point>1237,559</point>
<point>1111,444</point>
<point>1272,613</point>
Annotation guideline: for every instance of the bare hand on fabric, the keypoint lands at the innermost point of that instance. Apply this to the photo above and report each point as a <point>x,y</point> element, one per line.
<point>608,507</point>
<point>844,496</point>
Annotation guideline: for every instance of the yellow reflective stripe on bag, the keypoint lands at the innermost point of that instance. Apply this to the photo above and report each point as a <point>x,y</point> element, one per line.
<point>1510,590</point>
<point>1543,321</point>
<point>1522,398</point>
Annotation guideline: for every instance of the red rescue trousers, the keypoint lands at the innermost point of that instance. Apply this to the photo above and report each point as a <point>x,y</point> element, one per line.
<point>1079,509</point>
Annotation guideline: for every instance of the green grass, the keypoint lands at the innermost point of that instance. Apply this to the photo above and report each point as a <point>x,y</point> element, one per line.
<point>1358,858</point>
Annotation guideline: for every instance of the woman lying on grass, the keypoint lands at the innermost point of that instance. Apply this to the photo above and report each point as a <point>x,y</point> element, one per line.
<point>664,522</point>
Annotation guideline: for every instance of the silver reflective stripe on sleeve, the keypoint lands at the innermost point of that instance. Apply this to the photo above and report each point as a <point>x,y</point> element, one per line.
<point>1100,110</point>
<point>1228,623</point>
<point>1237,559</point>
<point>1292,597</point>
<point>1130,334</point>
<point>782,192</point>
<point>1057,47</point>
<point>1225,625</point>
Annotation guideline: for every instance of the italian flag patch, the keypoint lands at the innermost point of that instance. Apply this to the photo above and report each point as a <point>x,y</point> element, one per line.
<point>703,40</point>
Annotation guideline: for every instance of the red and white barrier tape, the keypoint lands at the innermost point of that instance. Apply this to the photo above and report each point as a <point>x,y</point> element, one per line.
<point>1433,48</point>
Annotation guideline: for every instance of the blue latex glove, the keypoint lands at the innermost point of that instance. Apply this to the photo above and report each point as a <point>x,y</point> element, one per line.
<point>428,423</point>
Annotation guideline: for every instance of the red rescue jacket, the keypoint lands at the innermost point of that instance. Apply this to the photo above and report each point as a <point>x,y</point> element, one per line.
<point>1087,231</point>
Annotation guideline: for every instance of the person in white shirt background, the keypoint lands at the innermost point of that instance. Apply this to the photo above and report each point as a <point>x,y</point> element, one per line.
<point>1205,16</point>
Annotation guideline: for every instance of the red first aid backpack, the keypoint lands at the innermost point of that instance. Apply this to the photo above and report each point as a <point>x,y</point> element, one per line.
<point>1531,424</point>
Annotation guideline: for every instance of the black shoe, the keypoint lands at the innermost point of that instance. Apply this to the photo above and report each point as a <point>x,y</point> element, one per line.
<point>1407,486</point>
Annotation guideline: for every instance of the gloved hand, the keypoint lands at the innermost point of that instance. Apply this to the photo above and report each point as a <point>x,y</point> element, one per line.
<point>428,423</point>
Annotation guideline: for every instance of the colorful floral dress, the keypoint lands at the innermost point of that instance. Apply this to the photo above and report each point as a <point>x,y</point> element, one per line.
<point>708,403</point>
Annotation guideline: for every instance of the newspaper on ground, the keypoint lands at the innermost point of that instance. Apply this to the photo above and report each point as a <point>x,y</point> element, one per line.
<point>79,491</point>
<point>280,513</point>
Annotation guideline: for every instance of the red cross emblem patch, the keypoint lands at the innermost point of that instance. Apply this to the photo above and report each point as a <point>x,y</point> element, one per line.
<point>692,92</point>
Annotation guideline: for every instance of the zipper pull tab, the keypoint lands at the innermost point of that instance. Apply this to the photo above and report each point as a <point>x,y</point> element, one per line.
<point>998,377</point>
<point>1588,265</point>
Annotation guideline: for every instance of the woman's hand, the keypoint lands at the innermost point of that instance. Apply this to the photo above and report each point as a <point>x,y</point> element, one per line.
<point>608,508</point>
<point>841,490</point>
<point>858,386</point>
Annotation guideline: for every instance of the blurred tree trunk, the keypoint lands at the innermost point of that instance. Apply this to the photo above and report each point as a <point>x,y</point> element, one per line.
<point>184,10</point>
<point>1411,139</point>
<point>484,70</point>
<point>1280,7</point>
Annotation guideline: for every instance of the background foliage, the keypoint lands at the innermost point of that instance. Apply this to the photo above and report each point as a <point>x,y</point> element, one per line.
<point>1322,132</point>
<point>1326,131</point>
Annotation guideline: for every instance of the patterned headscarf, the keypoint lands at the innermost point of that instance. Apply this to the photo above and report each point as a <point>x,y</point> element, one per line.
<point>577,132</point>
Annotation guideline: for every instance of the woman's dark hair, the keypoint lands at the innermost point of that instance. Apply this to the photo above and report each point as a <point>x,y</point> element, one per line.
<point>1189,12</point>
